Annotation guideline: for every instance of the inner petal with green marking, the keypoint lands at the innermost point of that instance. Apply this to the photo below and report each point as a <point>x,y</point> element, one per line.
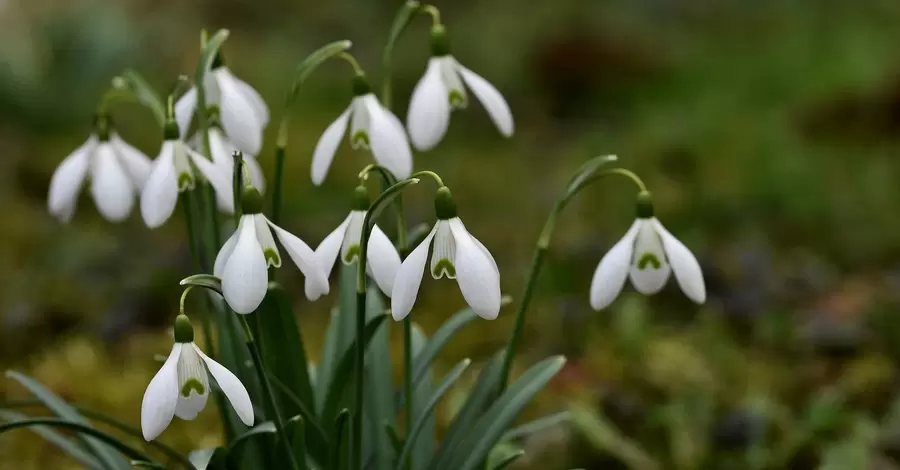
<point>443,267</point>
<point>457,99</point>
<point>360,139</point>
<point>192,384</point>
<point>272,257</point>
<point>351,254</point>
<point>185,181</point>
<point>648,259</point>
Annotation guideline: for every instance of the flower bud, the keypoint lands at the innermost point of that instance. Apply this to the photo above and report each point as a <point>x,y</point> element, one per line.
<point>444,206</point>
<point>644,205</point>
<point>184,331</point>
<point>251,200</point>
<point>361,199</point>
<point>440,45</point>
<point>361,85</point>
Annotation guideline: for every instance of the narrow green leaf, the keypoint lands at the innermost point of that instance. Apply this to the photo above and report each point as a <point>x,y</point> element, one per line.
<point>536,426</point>
<point>267,427</point>
<point>401,21</point>
<point>585,172</point>
<point>386,197</point>
<point>145,464</point>
<point>57,405</point>
<point>491,426</point>
<point>379,384</point>
<point>313,61</point>
<point>423,448</point>
<point>145,94</point>
<point>207,281</point>
<point>503,455</point>
<point>328,357</point>
<point>96,435</point>
<point>340,445</point>
<point>418,233</point>
<point>297,428</point>
<point>65,444</point>
<point>428,410</point>
<point>508,460</point>
<point>394,438</point>
<point>208,55</point>
<point>481,394</point>
<point>316,440</point>
<point>422,361</point>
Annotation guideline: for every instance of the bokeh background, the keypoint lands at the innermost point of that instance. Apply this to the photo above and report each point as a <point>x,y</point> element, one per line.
<point>767,130</point>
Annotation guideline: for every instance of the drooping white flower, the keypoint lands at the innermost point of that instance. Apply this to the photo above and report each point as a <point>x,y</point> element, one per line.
<point>372,126</point>
<point>170,174</point>
<point>181,387</point>
<point>455,254</point>
<point>243,112</point>
<point>441,91</point>
<point>647,254</point>
<point>382,259</point>
<point>116,170</point>
<point>242,263</point>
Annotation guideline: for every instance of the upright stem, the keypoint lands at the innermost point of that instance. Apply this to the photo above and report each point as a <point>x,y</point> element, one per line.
<point>267,390</point>
<point>276,190</point>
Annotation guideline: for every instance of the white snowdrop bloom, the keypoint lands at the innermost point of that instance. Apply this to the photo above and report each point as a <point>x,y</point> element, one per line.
<point>382,259</point>
<point>242,263</point>
<point>441,91</point>
<point>116,170</point>
<point>181,387</point>
<point>648,254</point>
<point>457,255</point>
<point>372,126</point>
<point>243,112</point>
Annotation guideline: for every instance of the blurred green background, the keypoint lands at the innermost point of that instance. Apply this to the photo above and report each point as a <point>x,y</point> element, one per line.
<point>767,130</point>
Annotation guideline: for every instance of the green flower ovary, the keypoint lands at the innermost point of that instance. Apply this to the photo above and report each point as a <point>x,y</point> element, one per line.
<point>648,258</point>
<point>444,265</point>
<point>194,384</point>
<point>352,254</point>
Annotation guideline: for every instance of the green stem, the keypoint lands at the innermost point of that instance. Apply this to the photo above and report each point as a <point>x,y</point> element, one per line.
<point>434,12</point>
<point>267,391</point>
<point>408,382</point>
<point>276,190</point>
<point>352,61</point>
<point>401,20</point>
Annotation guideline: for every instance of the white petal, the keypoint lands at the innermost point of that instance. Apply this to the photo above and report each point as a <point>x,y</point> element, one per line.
<point>388,139</point>
<point>160,194</point>
<point>184,110</point>
<point>444,252</point>
<point>253,96</point>
<point>245,277</point>
<point>491,99</point>
<point>67,180</point>
<point>383,260</point>
<point>226,251</point>
<point>219,178</point>
<point>476,274</point>
<point>305,259</point>
<point>329,248</point>
<point>256,174</point>
<point>360,123</point>
<point>110,185</point>
<point>327,146</point>
<point>649,268</point>
<point>610,275</point>
<point>684,265</point>
<point>429,109</point>
<point>180,159</point>
<point>158,405</point>
<point>350,245</point>
<point>239,118</point>
<point>456,93</point>
<point>220,148</point>
<point>264,235</point>
<point>233,389</point>
<point>409,278</point>
<point>191,376</point>
<point>135,162</point>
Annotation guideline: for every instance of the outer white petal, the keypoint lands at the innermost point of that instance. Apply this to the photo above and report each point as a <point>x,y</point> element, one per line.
<point>191,367</point>
<point>610,275</point>
<point>220,148</point>
<point>256,173</point>
<point>67,180</point>
<point>239,117</point>
<point>476,273</point>
<point>409,278</point>
<point>220,179</point>
<point>649,280</point>
<point>160,194</point>
<point>684,265</point>
<point>253,96</point>
<point>135,162</point>
<point>158,405</point>
<point>110,185</point>
<point>491,99</point>
<point>305,259</point>
<point>226,250</point>
<point>387,139</point>
<point>429,109</point>
<point>245,277</point>
<point>233,389</point>
<point>327,146</point>
<point>383,260</point>
<point>266,242</point>
<point>328,249</point>
<point>184,110</point>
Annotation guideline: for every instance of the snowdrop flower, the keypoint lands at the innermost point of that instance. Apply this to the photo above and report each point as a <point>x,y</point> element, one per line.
<point>457,255</point>
<point>117,172</point>
<point>243,112</point>
<point>181,387</point>
<point>382,259</point>
<point>372,126</point>
<point>243,261</point>
<point>648,254</point>
<point>441,91</point>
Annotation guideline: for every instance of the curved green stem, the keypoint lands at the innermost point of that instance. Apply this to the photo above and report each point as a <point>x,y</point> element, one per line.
<point>183,297</point>
<point>182,84</point>
<point>352,61</point>
<point>434,12</point>
<point>401,20</point>
<point>437,179</point>
<point>537,259</point>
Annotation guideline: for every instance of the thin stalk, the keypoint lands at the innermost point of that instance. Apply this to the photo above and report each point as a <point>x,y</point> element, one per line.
<point>277,188</point>
<point>267,391</point>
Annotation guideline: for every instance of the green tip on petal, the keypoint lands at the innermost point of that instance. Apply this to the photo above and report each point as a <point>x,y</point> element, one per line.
<point>444,206</point>
<point>352,254</point>
<point>251,200</point>
<point>361,198</point>
<point>444,266</point>
<point>644,205</point>
<point>185,181</point>
<point>184,331</point>
<point>648,259</point>
<point>440,45</point>
<point>272,258</point>
<point>192,384</point>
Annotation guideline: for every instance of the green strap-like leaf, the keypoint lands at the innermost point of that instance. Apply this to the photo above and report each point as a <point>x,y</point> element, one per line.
<point>145,94</point>
<point>57,405</point>
<point>503,455</point>
<point>485,387</point>
<point>508,460</point>
<point>491,426</point>
<point>422,361</point>
<point>379,385</point>
<point>587,170</point>
<point>535,426</point>
<point>340,445</point>
<point>297,428</point>
<point>316,441</point>
<point>65,444</point>
<point>428,410</point>
<point>207,281</point>
<point>401,21</point>
<point>96,435</point>
<point>267,427</point>
<point>327,358</point>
